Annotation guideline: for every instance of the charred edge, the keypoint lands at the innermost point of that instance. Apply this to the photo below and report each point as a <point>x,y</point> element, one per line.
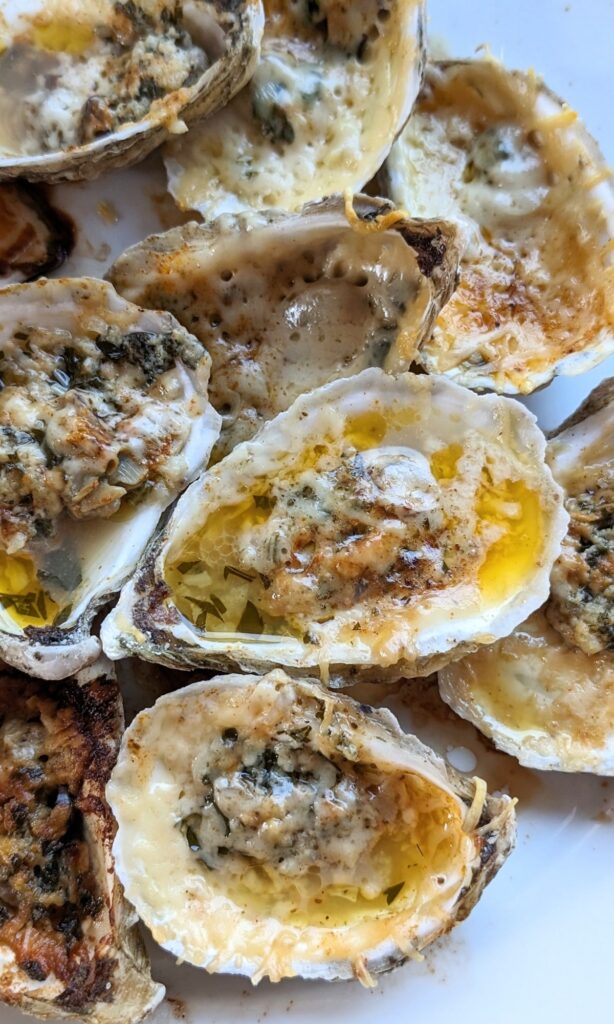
<point>49,636</point>
<point>62,233</point>
<point>430,251</point>
<point>91,712</point>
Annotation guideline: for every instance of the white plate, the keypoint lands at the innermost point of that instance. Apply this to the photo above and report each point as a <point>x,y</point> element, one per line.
<point>539,945</point>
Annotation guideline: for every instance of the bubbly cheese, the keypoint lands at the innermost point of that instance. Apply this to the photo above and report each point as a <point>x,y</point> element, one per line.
<point>297,829</point>
<point>491,149</point>
<point>71,76</point>
<point>286,306</point>
<point>334,84</point>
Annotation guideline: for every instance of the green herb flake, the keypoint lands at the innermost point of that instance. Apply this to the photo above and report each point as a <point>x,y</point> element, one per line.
<point>185,567</point>
<point>392,892</point>
<point>251,620</point>
<point>229,570</point>
<point>192,839</point>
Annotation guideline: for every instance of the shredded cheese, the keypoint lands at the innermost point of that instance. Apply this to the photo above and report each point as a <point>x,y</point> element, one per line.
<point>474,813</point>
<point>382,222</point>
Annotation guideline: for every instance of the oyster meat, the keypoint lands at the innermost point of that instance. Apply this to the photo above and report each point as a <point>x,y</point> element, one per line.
<point>69,944</point>
<point>334,86</point>
<point>86,85</point>
<point>35,238</point>
<point>308,834</point>
<point>499,153</point>
<point>104,418</point>
<point>381,523</point>
<point>285,303</point>
<point>546,693</point>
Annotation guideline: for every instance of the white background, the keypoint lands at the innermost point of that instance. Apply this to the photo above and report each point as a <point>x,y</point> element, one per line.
<point>539,946</point>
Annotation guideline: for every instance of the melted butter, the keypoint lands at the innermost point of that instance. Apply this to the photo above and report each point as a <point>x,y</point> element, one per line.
<point>511,559</point>
<point>365,430</point>
<point>532,681</point>
<point>21,594</point>
<point>208,583</point>
<point>63,35</point>
<point>444,462</point>
<point>406,860</point>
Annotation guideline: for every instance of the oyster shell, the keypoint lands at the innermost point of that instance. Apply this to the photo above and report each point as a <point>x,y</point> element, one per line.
<point>285,303</point>
<point>334,86</point>
<point>499,153</point>
<point>104,419</point>
<point>69,943</point>
<point>317,878</point>
<point>546,693</point>
<point>35,238</point>
<point>380,523</point>
<point>87,85</point>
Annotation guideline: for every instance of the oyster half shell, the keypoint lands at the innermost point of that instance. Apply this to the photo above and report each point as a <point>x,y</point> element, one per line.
<point>308,834</point>
<point>69,943</point>
<point>546,693</point>
<point>499,153</point>
<point>334,86</point>
<point>382,523</point>
<point>104,419</point>
<point>285,303</point>
<point>87,85</point>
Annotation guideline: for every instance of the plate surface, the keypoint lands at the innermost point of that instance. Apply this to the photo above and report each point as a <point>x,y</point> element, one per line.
<point>538,946</point>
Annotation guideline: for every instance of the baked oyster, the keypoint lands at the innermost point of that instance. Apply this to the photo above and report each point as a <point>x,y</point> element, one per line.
<point>546,693</point>
<point>69,943</point>
<point>334,85</point>
<point>86,85</point>
<point>35,238</point>
<point>104,419</point>
<point>384,524</point>
<point>308,834</point>
<point>285,303</point>
<point>499,153</point>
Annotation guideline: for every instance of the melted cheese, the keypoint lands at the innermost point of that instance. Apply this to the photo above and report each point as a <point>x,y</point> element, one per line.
<point>398,877</point>
<point>536,284</point>
<point>318,116</point>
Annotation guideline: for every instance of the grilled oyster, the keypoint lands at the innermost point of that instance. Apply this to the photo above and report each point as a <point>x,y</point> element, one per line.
<point>308,834</point>
<point>334,86</point>
<point>546,694</point>
<point>34,237</point>
<point>86,85</point>
<point>501,154</point>
<point>284,303</point>
<point>104,418</point>
<point>69,945</point>
<point>380,523</point>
